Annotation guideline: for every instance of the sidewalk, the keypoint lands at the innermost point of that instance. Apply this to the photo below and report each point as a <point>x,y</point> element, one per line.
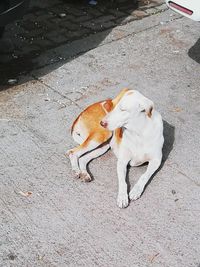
<point>63,222</point>
<point>50,24</point>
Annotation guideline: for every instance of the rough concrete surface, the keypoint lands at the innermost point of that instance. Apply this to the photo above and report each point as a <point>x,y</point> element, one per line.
<point>68,223</point>
<point>49,24</point>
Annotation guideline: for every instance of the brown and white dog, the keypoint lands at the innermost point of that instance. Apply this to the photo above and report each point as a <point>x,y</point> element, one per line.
<point>131,127</point>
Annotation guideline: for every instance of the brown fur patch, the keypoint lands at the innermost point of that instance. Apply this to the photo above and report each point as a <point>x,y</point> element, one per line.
<point>118,135</point>
<point>108,105</point>
<point>89,113</point>
<point>96,110</point>
<point>149,113</point>
<point>91,118</point>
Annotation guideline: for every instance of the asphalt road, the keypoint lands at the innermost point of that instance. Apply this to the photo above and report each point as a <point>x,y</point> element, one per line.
<point>63,222</point>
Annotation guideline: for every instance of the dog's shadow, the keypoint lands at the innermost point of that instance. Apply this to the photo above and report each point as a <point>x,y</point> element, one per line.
<point>169,137</point>
<point>194,51</point>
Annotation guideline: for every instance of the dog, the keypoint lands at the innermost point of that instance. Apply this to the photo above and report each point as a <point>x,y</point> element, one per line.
<point>131,127</point>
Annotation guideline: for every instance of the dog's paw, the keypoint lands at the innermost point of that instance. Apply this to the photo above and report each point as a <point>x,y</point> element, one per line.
<point>76,174</point>
<point>122,201</point>
<point>136,192</point>
<point>85,177</point>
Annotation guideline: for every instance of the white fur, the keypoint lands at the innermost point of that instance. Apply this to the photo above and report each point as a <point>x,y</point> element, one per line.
<point>142,141</point>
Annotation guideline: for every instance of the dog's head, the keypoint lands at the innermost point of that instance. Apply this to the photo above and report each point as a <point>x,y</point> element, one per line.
<point>129,106</point>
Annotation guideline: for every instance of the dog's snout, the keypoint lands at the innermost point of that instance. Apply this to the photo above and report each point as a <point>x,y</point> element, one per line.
<point>104,124</point>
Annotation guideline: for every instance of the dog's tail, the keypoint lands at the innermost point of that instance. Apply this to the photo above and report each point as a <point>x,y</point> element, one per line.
<point>119,96</point>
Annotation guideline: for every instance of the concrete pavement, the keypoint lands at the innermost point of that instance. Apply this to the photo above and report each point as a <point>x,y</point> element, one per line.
<point>63,222</point>
<point>48,25</point>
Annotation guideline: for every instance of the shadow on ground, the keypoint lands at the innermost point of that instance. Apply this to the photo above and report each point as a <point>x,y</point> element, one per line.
<point>33,42</point>
<point>169,136</point>
<point>194,51</point>
<point>48,26</point>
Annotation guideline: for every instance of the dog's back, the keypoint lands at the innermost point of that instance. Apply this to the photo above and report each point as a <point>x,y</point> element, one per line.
<point>88,121</point>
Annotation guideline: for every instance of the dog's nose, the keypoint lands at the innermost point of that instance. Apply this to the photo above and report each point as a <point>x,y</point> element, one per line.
<point>104,124</point>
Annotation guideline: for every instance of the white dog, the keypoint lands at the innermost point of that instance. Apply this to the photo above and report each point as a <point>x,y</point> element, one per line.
<point>133,129</point>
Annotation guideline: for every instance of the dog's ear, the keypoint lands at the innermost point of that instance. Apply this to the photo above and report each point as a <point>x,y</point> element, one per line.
<point>108,105</point>
<point>147,106</point>
<point>149,111</point>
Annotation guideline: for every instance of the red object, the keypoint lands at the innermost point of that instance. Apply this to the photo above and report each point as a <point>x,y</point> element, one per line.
<point>180,8</point>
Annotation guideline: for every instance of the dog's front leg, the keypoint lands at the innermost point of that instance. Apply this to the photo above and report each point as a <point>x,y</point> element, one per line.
<point>122,199</point>
<point>138,188</point>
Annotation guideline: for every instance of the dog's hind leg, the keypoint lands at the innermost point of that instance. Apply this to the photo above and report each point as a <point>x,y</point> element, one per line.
<point>138,188</point>
<point>85,159</point>
<point>75,153</point>
<point>91,143</point>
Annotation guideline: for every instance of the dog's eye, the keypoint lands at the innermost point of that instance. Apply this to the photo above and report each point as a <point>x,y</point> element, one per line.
<point>143,110</point>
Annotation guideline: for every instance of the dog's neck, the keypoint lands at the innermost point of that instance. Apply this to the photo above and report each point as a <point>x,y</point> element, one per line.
<point>137,126</point>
